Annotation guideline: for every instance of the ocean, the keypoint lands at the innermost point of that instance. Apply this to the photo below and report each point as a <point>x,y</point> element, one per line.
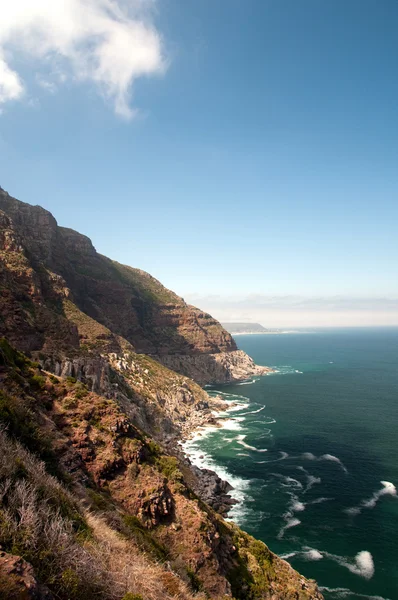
<point>312,452</point>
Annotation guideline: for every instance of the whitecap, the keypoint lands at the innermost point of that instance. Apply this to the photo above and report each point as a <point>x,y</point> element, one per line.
<point>253,412</point>
<point>312,554</point>
<point>362,564</point>
<point>288,555</point>
<point>241,440</point>
<point>329,457</point>
<point>297,506</point>
<point>311,479</point>
<point>320,500</point>
<point>283,457</point>
<point>288,481</point>
<point>333,459</point>
<point>292,522</point>
<point>308,456</point>
<point>238,407</point>
<point>231,424</point>
<point>388,489</point>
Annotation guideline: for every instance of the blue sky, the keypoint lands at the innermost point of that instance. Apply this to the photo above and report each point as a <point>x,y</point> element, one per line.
<point>257,153</point>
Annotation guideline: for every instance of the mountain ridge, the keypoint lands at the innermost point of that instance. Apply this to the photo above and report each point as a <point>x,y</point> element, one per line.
<point>90,417</point>
<point>130,303</point>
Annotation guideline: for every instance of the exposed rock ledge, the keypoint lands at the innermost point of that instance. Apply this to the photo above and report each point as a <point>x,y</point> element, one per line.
<point>18,580</point>
<point>223,367</point>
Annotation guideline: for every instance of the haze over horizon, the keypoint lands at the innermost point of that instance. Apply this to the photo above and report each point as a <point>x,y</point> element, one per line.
<point>242,153</point>
<point>295,311</point>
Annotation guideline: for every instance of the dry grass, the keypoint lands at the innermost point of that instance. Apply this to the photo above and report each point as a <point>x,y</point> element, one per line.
<point>133,571</point>
<point>76,554</point>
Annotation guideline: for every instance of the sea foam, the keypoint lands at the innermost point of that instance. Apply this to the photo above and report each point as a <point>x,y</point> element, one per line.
<point>241,440</point>
<point>388,489</point>
<point>329,457</point>
<point>362,564</point>
<point>291,522</point>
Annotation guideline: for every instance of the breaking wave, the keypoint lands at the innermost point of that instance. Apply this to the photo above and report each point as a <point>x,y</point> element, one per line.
<point>329,457</point>
<point>311,479</point>
<point>241,440</point>
<point>253,412</point>
<point>290,522</point>
<point>288,481</point>
<point>388,489</point>
<point>362,564</point>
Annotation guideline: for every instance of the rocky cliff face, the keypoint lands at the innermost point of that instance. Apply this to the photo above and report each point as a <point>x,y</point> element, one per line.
<point>222,367</point>
<point>49,274</point>
<point>118,515</point>
<point>113,507</point>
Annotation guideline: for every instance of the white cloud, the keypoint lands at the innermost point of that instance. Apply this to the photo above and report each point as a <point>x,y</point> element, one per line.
<point>109,43</point>
<point>11,87</point>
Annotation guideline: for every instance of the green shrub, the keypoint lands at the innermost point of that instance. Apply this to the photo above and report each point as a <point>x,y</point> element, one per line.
<point>143,538</point>
<point>81,391</point>
<point>130,596</point>
<point>168,465</point>
<point>70,583</point>
<point>153,447</point>
<point>97,500</point>
<point>194,580</point>
<point>71,380</point>
<point>21,424</point>
<point>38,382</point>
<point>11,357</point>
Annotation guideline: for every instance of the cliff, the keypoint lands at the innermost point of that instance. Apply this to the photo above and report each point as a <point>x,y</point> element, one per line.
<point>96,499</point>
<point>91,506</point>
<point>48,273</point>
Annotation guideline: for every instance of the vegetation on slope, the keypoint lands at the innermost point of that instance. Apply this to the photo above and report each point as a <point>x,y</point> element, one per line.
<point>113,515</point>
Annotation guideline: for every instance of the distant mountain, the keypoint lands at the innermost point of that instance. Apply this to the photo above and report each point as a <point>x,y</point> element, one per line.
<point>236,328</point>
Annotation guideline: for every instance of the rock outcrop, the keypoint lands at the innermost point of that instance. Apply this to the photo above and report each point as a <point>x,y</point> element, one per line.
<point>18,580</point>
<point>223,367</point>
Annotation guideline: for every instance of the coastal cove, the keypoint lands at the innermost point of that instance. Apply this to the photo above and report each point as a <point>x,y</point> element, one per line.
<point>311,453</point>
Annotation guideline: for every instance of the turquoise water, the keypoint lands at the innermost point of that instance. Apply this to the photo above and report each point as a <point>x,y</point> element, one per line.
<point>307,449</point>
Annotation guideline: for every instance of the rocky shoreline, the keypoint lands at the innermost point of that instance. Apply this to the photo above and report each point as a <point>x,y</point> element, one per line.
<point>207,484</point>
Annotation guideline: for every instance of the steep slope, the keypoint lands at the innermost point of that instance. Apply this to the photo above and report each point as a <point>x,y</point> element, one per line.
<point>95,498</point>
<point>45,268</point>
<point>91,506</point>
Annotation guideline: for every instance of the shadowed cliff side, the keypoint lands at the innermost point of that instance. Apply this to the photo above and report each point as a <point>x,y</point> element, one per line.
<point>48,272</point>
